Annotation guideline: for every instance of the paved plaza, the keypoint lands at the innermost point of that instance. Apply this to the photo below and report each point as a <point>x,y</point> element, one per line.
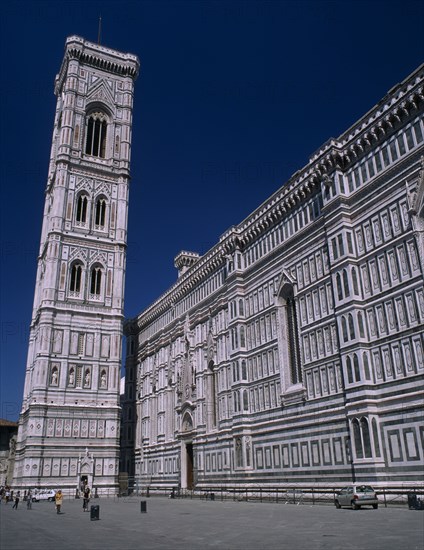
<point>199,524</point>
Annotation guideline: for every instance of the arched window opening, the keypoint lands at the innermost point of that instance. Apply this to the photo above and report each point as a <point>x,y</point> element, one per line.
<point>351,327</point>
<point>344,329</point>
<point>355,282</point>
<point>241,308</point>
<point>242,337</point>
<point>357,439</point>
<point>96,135</point>
<point>375,437</point>
<point>76,277</point>
<point>293,336</point>
<point>366,437</point>
<point>366,366</point>
<point>81,212</point>
<point>100,214</point>
<point>356,368</point>
<point>243,370</point>
<point>245,401</point>
<point>213,393</point>
<point>239,452</point>
<point>339,287</point>
<point>96,281</point>
<point>361,325</point>
<point>349,370</point>
<point>346,283</point>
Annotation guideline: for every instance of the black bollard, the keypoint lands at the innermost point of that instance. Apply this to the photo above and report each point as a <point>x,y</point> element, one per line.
<point>94,512</point>
<point>143,506</point>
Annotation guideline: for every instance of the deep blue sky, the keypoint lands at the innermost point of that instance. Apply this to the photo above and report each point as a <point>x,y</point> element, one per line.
<point>232,99</point>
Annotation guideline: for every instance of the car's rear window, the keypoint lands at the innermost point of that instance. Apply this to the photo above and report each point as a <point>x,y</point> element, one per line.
<point>364,489</point>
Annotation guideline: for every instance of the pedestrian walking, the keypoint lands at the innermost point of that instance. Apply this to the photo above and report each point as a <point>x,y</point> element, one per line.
<point>86,498</point>
<point>58,498</point>
<point>15,506</point>
<point>29,500</point>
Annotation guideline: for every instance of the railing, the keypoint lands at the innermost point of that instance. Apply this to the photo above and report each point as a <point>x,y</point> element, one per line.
<point>298,495</point>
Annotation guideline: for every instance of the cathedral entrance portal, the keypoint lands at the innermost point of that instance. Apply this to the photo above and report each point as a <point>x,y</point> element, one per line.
<point>187,465</point>
<point>189,451</point>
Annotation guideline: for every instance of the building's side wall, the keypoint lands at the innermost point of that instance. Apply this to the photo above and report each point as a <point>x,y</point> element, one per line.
<point>217,392</point>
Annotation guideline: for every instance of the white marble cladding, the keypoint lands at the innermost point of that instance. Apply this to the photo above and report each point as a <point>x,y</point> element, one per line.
<point>70,407</point>
<point>290,349</point>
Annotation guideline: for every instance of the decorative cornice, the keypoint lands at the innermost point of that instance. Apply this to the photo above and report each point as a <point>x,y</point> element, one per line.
<point>398,105</point>
<point>99,57</point>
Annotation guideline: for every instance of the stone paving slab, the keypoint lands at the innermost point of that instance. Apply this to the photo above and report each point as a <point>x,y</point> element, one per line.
<point>176,524</point>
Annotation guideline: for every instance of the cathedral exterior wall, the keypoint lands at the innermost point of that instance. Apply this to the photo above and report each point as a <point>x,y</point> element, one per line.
<point>292,351</point>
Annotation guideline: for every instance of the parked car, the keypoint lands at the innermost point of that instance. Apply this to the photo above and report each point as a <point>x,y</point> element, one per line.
<point>356,496</point>
<point>43,494</point>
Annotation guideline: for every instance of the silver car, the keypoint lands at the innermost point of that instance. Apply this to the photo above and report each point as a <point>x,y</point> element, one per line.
<point>356,496</point>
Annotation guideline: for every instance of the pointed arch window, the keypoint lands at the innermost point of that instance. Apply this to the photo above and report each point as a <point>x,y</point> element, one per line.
<point>292,335</point>
<point>362,438</point>
<point>81,212</point>
<point>339,287</point>
<point>213,395</point>
<point>76,278</point>
<point>355,282</point>
<point>356,368</point>
<point>245,401</point>
<point>346,283</point>
<point>361,325</point>
<point>344,329</point>
<point>366,437</point>
<point>351,327</point>
<point>357,438</point>
<point>100,213</point>
<point>95,145</point>
<point>366,366</point>
<point>375,437</point>
<point>349,370</point>
<point>96,281</point>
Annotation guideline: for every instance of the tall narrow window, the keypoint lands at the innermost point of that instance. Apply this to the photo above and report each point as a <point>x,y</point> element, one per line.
<point>213,394</point>
<point>361,325</point>
<point>366,366</point>
<point>375,437</point>
<point>357,438</point>
<point>96,135</point>
<point>81,213</point>
<point>292,333</point>
<point>96,281</point>
<point>351,327</point>
<point>339,287</point>
<point>346,283</point>
<point>356,368</point>
<point>349,370</point>
<point>245,400</point>
<point>344,329</point>
<point>76,275</point>
<point>100,214</point>
<point>366,437</point>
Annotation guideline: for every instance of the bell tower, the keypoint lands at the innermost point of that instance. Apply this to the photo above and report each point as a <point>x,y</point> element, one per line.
<point>70,413</point>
